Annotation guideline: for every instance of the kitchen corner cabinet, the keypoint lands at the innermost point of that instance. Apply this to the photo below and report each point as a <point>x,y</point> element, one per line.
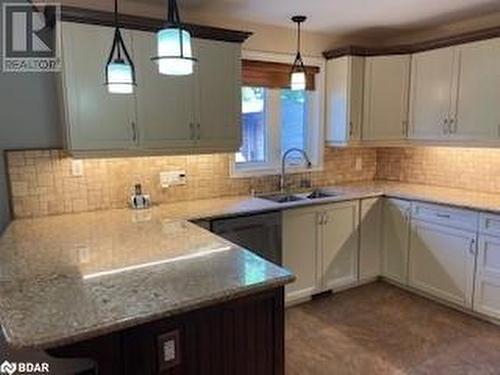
<point>478,115</point>
<point>320,246</point>
<point>185,114</point>
<point>344,93</point>
<point>95,120</point>
<point>442,261</point>
<point>433,93</point>
<point>370,238</point>
<point>385,108</point>
<point>395,239</point>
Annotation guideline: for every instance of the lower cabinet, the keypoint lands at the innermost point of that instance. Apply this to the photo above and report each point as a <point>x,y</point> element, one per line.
<point>320,246</point>
<point>395,239</point>
<point>487,286</point>
<point>442,261</point>
<point>370,228</point>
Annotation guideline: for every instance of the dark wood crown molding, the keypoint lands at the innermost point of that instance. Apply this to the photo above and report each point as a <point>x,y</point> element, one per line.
<point>402,49</point>
<point>126,21</point>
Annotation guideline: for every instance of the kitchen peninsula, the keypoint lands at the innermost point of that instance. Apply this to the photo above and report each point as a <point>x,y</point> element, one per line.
<point>140,293</point>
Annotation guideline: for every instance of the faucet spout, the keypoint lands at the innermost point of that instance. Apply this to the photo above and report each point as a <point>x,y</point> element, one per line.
<point>283,164</point>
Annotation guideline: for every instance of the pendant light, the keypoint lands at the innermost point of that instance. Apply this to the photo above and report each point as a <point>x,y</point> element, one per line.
<point>175,55</point>
<point>298,76</point>
<point>120,70</point>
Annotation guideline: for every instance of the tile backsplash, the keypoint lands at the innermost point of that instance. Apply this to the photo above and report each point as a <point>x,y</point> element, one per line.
<point>41,182</point>
<point>465,168</point>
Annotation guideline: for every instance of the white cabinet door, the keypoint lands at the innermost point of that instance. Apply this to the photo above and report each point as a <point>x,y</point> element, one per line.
<point>300,249</point>
<point>433,90</point>
<point>95,119</point>
<point>339,243</point>
<point>386,97</point>
<point>166,105</point>
<point>487,289</point>
<point>344,91</point>
<point>370,238</point>
<point>219,94</point>
<point>478,114</point>
<point>442,261</point>
<point>395,242</point>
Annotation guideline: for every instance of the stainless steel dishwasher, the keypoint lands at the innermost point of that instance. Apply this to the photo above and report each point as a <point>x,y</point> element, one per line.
<point>260,233</point>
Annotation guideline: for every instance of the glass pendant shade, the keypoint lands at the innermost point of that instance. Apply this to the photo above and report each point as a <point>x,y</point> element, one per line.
<point>120,69</point>
<point>298,78</point>
<point>298,81</point>
<point>175,56</point>
<point>120,78</point>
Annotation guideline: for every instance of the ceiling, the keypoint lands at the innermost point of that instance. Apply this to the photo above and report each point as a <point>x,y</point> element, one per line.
<point>344,16</point>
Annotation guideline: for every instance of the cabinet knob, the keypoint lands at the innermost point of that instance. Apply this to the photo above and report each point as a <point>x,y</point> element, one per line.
<point>198,131</point>
<point>191,128</point>
<point>472,248</point>
<point>134,131</point>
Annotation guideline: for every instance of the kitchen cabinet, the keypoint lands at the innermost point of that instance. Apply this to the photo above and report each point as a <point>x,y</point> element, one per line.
<point>95,120</point>
<point>385,109</point>
<point>442,261</point>
<point>344,92</point>
<point>433,93</point>
<point>166,114</point>
<point>395,240</point>
<point>370,239</point>
<point>166,106</point>
<point>339,245</point>
<point>487,284</point>
<point>301,246</point>
<point>478,115</point>
<point>320,246</point>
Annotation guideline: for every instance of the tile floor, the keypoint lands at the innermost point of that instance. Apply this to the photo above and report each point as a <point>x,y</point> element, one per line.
<point>381,329</point>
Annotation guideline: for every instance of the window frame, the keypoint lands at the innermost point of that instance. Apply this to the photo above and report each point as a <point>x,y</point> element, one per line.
<point>316,116</point>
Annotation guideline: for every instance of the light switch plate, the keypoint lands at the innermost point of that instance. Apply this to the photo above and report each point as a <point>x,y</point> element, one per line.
<point>172,178</point>
<point>77,168</point>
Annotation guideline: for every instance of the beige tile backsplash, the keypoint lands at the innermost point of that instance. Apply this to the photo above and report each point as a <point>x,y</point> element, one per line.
<point>42,182</point>
<point>465,168</point>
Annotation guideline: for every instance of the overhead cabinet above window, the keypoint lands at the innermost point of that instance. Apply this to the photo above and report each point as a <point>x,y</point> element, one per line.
<point>166,114</point>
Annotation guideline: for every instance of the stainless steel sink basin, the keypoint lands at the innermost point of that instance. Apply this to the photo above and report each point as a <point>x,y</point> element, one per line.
<point>318,194</point>
<point>282,198</point>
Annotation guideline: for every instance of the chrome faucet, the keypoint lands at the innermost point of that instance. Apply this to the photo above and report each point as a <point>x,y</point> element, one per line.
<point>283,164</point>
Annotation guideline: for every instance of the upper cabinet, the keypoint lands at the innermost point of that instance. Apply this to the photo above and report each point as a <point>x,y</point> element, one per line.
<point>166,114</point>
<point>344,85</point>
<point>95,120</point>
<point>433,92</point>
<point>387,80</point>
<point>478,112</point>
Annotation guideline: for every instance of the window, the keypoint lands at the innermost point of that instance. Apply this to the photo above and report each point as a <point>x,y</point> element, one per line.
<point>275,119</point>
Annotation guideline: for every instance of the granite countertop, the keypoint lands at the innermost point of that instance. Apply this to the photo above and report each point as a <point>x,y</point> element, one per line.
<point>72,277</point>
<point>69,278</point>
<point>233,206</point>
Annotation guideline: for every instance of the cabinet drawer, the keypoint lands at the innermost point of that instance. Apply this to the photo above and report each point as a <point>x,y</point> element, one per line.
<point>489,224</point>
<point>453,217</point>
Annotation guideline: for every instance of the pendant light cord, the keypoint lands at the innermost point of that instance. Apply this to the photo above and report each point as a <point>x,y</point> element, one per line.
<point>298,38</point>
<point>173,12</point>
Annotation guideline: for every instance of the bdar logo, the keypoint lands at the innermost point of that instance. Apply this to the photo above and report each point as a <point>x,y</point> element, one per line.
<point>8,368</point>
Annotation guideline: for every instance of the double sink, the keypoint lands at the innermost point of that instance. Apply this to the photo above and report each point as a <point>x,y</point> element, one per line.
<point>287,198</point>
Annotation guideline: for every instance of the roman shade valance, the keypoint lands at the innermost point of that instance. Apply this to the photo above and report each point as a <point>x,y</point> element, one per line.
<point>273,75</point>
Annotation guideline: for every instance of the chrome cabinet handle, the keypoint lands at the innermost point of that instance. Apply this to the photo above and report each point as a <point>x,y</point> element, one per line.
<point>198,131</point>
<point>452,126</point>
<point>327,219</point>
<point>446,129</point>
<point>351,129</point>
<point>472,247</point>
<point>134,132</point>
<point>191,128</point>
<point>443,216</point>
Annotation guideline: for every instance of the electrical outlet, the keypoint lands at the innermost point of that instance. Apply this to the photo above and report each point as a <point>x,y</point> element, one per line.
<point>359,164</point>
<point>77,168</point>
<point>172,178</point>
<point>169,354</point>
